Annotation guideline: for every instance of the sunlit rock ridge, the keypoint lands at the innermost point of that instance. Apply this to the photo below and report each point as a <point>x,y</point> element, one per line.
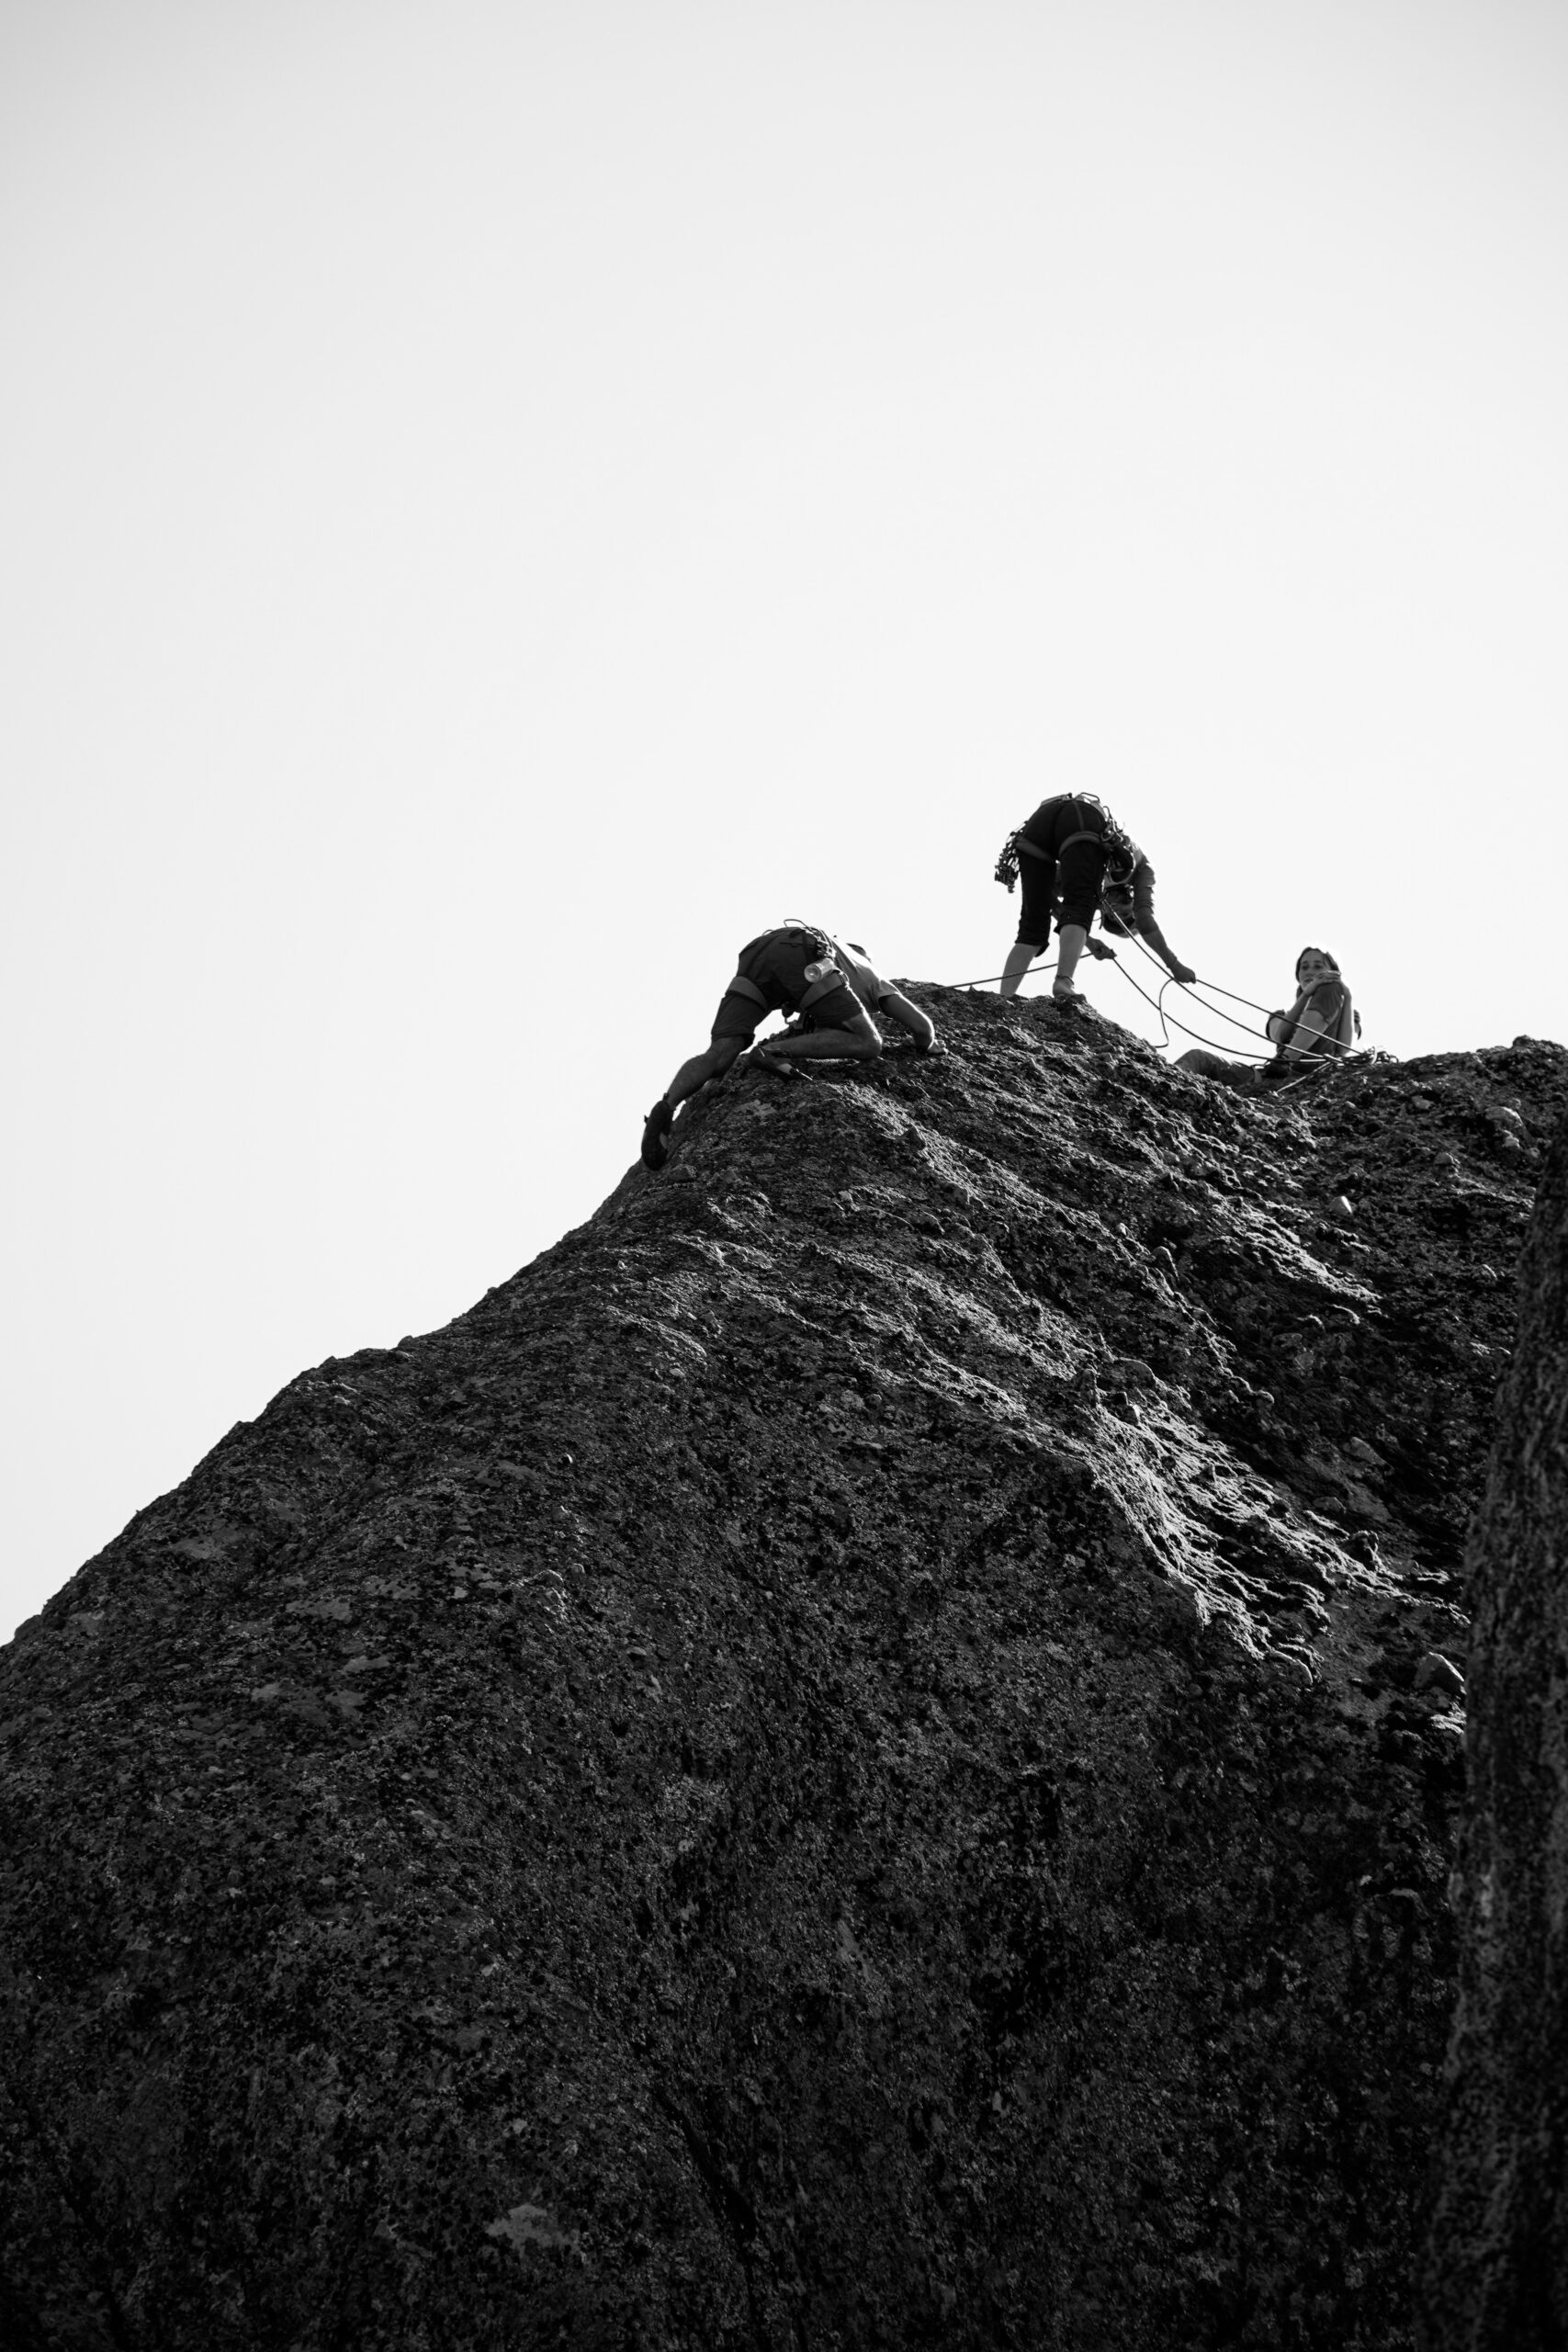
<point>867,1753</point>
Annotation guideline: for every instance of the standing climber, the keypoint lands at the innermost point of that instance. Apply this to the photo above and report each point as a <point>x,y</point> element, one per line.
<point>792,969</point>
<point>1074,859</point>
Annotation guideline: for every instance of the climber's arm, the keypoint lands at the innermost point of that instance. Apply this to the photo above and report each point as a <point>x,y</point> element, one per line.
<point>895,1006</point>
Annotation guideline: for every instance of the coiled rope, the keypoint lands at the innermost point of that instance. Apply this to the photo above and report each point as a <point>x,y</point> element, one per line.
<point>1167,1021</point>
<point>1303,1054</point>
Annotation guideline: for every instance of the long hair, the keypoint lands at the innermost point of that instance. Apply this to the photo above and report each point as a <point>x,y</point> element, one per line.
<point>1331,961</point>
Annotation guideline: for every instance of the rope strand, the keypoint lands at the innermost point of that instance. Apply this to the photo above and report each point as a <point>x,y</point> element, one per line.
<point>1233,998</point>
<point>1167,1021</point>
<point>1034,971</point>
<point>1304,1053</point>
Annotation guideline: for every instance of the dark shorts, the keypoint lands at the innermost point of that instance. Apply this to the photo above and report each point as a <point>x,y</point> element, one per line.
<point>736,1017</point>
<point>778,969</point>
<point>840,1009</point>
<point>1076,875</point>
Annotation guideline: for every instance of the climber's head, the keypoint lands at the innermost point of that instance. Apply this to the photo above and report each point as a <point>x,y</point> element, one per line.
<point>1314,965</point>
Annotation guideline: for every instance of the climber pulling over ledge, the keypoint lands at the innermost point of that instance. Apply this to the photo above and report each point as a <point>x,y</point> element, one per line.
<point>792,969</point>
<point>1074,859</point>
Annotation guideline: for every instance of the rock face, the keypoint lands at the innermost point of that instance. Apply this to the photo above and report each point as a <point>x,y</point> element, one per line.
<point>1499,2255</point>
<point>865,1754</point>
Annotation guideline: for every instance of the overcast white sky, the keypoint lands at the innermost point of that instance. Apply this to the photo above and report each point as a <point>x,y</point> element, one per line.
<point>501,503</point>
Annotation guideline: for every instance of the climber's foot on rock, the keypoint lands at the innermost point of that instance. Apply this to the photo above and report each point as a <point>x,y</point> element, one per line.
<point>655,1150</point>
<point>763,1058</point>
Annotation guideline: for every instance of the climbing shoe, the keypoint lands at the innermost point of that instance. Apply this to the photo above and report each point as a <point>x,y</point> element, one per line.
<point>654,1151</point>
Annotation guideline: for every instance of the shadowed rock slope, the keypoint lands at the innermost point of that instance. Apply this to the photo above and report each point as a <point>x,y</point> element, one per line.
<point>1499,2267</point>
<point>864,1754</point>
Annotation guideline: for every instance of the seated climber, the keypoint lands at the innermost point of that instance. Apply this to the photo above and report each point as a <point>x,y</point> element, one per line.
<point>1322,1022</point>
<point>792,969</point>
<point>1320,1026</point>
<point>1074,860</point>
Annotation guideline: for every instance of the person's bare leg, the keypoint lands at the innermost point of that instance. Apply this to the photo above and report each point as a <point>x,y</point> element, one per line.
<point>1069,947</point>
<point>860,1043</point>
<point>702,1066</point>
<point>691,1075</point>
<point>1019,957</point>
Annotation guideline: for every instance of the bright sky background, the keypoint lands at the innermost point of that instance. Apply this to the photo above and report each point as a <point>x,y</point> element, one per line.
<point>501,503</point>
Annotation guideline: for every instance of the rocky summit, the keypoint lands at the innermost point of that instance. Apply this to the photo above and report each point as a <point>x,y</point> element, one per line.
<point>867,1753</point>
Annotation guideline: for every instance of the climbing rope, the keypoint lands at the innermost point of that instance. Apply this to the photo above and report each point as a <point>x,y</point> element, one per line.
<point>1191,988</point>
<point>986,980</point>
<point>1216,990</point>
<point>1167,1019</point>
<point>1303,1054</point>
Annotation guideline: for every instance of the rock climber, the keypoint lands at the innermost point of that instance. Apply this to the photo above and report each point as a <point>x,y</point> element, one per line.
<point>1322,1024</point>
<point>792,969</point>
<point>1074,859</point>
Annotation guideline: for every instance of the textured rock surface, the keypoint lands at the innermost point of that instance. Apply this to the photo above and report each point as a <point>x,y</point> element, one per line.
<point>1499,2266</point>
<point>867,1753</point>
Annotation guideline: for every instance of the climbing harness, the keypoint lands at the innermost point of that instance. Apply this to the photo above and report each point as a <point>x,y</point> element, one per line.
<point>821,980</point>
<point>1121,853</point>
<point>816,972</point>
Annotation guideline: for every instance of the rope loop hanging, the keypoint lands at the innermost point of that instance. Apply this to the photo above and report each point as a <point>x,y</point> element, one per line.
<point>1303,1054</point>
<point>1167,1021</point>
